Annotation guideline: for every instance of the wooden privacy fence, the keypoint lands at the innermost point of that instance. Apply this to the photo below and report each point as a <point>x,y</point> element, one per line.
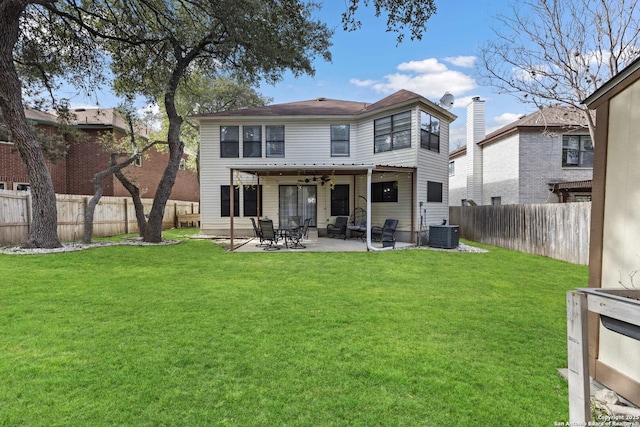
<point>113,215</point>
<point>556,230</point>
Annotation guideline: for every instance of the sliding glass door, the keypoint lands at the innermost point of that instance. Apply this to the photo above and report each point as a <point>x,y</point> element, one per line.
<point>298,201</point>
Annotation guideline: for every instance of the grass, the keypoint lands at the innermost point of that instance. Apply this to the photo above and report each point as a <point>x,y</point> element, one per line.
<point>191,335</point>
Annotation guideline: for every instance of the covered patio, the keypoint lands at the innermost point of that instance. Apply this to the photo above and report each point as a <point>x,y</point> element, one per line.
<point>329,170</point>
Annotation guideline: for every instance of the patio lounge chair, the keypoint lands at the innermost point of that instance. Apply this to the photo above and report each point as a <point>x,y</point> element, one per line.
<point>338,228</point>
<point>385,233</point>
<point>257,232</point>
<point>298,234</point>
<point>269,235</point>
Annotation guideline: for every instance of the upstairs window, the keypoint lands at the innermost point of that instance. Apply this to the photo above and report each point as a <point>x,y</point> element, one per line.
<point>251,141</point>
<point>229,141</point>
<point>577,151</point>
<point>429,132</point>
<point>392,132</point>
<point>275,141</point>
<point>452,168</point>
<point>340,140</point>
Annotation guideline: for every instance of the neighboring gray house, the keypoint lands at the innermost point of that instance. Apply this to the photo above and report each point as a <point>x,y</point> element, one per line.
<point>544,157</point>
<point>324,158</point>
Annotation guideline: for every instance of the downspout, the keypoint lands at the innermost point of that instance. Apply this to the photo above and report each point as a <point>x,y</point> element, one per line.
<point>369,246</point>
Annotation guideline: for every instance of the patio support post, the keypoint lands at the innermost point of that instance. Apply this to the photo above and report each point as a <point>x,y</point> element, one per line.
<point>258,198</point>
<point>231,212</point>
<point>369,245</point>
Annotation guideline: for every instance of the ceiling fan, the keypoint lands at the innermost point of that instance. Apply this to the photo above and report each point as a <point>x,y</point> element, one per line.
<point>322,179</point>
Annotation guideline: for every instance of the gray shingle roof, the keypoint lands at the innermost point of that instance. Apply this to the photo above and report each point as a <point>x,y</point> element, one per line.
<point>319,107</point>
<point>550,117</point>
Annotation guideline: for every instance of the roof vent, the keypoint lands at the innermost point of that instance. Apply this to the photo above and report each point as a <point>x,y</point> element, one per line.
<point>321,99</point>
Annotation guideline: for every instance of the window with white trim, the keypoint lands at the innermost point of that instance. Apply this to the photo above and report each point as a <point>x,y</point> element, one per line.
<point>577,151</point>
<point>392,132</point>
<point>340,140</point>
<point>229,141</point>
<point>275,141</point>
<point>429,132</point>
<point>251,141</point>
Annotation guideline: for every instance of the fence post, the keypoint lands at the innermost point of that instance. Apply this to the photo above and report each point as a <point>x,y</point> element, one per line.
<point>578,359</point>
<point>126,216</point>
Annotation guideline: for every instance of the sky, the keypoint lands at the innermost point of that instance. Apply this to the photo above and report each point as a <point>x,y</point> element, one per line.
<point>368,64</point>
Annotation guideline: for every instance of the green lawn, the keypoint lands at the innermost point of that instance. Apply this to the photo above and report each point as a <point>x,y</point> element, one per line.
<point>191,335</point>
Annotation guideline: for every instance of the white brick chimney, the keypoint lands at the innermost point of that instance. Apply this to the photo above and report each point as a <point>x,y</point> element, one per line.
<point>476,131</point>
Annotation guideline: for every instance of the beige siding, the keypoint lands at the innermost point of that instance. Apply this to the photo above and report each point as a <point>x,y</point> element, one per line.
<point>621,246</point>
<point>308,142</point>
<point>434,167</point>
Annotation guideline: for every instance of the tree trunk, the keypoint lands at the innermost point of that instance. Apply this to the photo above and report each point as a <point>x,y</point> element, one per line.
<point>176,149</point>
<point>43,232</point>
<point>87,236</point>
<point>137,202</point>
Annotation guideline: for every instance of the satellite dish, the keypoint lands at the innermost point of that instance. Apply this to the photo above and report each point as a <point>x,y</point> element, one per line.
<point>446,101</point>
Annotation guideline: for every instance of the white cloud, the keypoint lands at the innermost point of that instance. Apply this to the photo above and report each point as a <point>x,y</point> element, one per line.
<point>362,83</point>
<point>506,118</point>
<point>461,61</point>
<point>426,66</point>
<point>429,77</point>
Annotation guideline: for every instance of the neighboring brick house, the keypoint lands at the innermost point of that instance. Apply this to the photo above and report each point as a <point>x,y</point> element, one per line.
<point>73,174</point>
<point>544,157</point>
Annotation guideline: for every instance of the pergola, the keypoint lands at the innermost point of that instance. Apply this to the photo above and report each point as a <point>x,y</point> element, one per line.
<point>316,169</point>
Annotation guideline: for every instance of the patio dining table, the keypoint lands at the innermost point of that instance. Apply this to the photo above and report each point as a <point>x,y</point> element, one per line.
<point>285,232</point>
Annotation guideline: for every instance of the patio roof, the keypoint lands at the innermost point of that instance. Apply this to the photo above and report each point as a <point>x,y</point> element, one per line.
<point>317,168</point>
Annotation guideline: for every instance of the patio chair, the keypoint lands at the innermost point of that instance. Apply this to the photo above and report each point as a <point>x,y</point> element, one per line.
<point>298,234</point>
<point>257,232</point>
<point>338,228</point>
<point>269,235</point>
<point>294,222</point>
<point>385,233</point>
<point>359,229</point>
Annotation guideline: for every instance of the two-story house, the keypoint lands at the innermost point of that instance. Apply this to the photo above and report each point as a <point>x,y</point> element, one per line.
<point>85,156</point>
<point>544,157</point>
<point>324,158</point>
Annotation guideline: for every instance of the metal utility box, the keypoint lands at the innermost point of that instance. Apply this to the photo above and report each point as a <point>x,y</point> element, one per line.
<point>444,236</point>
